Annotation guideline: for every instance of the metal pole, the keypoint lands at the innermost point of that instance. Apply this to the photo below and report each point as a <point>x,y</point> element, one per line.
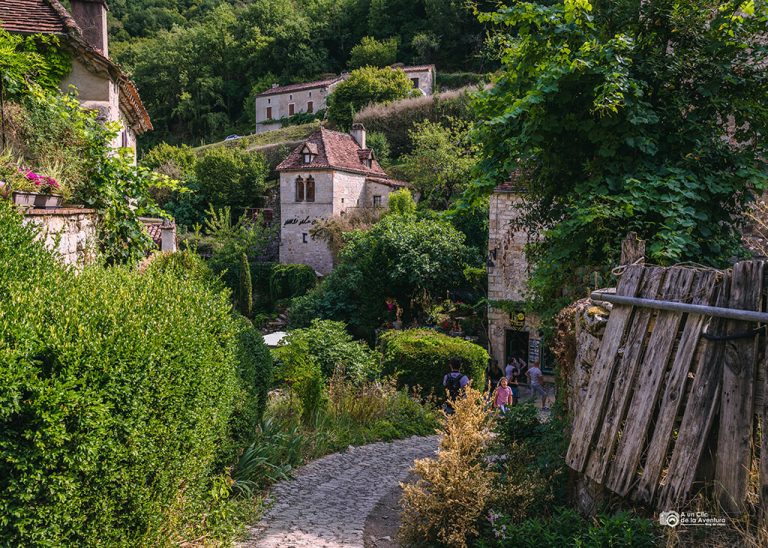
<point>716,311</point>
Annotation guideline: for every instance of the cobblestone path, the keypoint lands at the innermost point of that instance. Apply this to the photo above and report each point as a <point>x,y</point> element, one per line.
<point>326,503</point>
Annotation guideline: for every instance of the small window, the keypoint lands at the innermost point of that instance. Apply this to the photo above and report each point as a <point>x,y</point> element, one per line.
<point>124,139</point>
<point>299,189</point>
<point>291,109</point>
<point>310,189</point>
<point>269,101</point>
<point>342,200</point>
<point>307,158</point>
<point>290,97</point>
<point>310,107</point>
<point>269,113</point>
<point>310,94</point>
<point>415,82</point>
<point>377,201</point>
<point>304,237</point>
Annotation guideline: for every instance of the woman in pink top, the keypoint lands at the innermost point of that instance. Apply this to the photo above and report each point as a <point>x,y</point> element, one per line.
<point>503,396</point>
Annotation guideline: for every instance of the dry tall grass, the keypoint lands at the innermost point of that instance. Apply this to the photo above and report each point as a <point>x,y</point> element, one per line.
<point>444,505</point>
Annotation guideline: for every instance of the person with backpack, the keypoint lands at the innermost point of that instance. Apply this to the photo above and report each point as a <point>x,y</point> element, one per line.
<point>454,382</point>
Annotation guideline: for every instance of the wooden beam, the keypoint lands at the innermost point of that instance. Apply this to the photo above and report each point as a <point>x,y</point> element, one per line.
<point>624,378</point>
<point>734,444</point>
<point>588,419</point>
<point>703,292</point>
<point>623,473</point>
<point>698,417</point>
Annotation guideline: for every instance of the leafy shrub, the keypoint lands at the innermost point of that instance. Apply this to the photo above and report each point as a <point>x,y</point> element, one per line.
<point>118,397</point>
<point>231,177</point>
<point>396,119</point>
<point>419,357</point>
<point>402,258</point>
<point>290,280</point>
<point>401,202</point>
<point>245,288</point>
<point>456,80</point>
<point>445,504</point>
<point>519,424</point>
<point>373,53</point>
<point>334,350</point>
<point>567,527</point>
<point>365,86</point>
<point>380,145</point>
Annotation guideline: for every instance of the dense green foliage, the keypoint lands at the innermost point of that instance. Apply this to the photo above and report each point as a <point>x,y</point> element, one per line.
<point>122,394</point>
<point>648,117</point>
<point>373,53</point>
<point>290,280</point>
<point>335,351</point>
<point>406,259</point>
<point>199,63</point>
<point>420,357</point>
<point>441,162</point>
<point>365,86</point>
<point>396,120</point>
<point>231,177</point>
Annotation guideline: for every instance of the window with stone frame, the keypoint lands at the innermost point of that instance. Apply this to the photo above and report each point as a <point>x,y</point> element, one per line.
<point>377,201</point>
<point>310,107</point>
<point>291,109</point>
<point>310,191</point>
<point>269,113</point>
<point>299,189</point>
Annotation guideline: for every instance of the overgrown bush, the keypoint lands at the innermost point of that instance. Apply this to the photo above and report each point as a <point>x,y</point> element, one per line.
<point>419,357</point>
<point>396,119</point>
<point>119,395</point>
<point>444,506</point>
<point>334,350</point>
<point>456,80</point>
<point>290,280</point>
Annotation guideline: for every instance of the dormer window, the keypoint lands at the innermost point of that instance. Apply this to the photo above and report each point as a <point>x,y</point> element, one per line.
<point>309,153</point>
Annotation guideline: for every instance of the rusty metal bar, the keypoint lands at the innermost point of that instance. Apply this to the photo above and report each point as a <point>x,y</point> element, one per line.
<point>716,311</point>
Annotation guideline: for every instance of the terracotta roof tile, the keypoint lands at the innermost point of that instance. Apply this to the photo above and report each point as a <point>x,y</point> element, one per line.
<point>31,16</point>
<point>394,183</point>
<point>334,151</point>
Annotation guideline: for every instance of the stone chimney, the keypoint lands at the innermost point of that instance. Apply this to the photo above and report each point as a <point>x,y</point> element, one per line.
<point>358,134</point>
<point>91,17</point>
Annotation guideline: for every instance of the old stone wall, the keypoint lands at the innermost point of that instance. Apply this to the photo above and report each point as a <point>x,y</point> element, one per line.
<point>507,278</point>
<point>70,232</point>
<point>280,105</point>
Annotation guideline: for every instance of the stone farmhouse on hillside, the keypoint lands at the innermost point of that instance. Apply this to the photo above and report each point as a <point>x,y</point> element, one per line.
<point>101,84</point>
<point>329,174</point>
<point>309,97</point>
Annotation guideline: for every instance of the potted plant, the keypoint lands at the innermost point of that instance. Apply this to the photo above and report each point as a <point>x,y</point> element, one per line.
<point>28,188</point>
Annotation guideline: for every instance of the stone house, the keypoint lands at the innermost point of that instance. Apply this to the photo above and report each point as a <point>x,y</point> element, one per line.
<point>100,83</point>
<point>330,173</point>
<point>511,331</point>
<point>309,97</point>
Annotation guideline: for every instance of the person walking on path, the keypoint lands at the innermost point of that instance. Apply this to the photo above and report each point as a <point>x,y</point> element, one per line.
<point>535,378</point>
<point>502,398</point>
<point>454,382</point>
<point>512,374</point>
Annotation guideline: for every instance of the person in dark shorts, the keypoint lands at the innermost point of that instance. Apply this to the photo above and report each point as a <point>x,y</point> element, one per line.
<point>454,382</point>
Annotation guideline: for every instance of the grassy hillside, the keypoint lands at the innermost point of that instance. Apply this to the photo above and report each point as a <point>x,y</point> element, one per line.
<point>283,136</point>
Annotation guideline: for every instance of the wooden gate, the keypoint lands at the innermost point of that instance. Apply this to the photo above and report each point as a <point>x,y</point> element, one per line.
<point>673,391</point>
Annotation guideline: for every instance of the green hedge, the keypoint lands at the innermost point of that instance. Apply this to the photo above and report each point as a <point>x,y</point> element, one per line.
<point>419,357</point>
<point>290,280</point>
<point>119,400</point>
<point>456,80</point>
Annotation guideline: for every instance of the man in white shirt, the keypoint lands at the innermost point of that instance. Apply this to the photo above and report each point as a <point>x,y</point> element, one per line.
<point>536,378</point>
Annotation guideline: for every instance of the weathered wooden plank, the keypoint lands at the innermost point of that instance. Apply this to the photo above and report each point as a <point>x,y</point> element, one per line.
<point>632,249</point>
<point>734,451</point>
<point>624,378</point>
<point>623,472</point>
<point>703,292</point>
<point>587,420</point>
<point>699,414</point>
<point>764,437</point>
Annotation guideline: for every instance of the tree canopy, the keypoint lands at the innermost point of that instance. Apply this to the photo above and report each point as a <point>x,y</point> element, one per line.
<point>624,116</point>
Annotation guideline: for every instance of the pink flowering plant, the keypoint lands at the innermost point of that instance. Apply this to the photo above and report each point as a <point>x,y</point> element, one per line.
<point>42,183</point>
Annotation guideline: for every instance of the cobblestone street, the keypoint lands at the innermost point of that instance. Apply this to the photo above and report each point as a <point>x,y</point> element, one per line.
<point>328,500</point>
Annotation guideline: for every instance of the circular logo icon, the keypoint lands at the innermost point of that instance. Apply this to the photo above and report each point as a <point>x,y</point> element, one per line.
<point>670,519</point>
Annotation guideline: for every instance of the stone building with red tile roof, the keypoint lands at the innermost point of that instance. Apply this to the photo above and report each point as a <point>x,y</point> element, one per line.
<point>310,97</point>
<point>329,174</point>
<point>100,83</point>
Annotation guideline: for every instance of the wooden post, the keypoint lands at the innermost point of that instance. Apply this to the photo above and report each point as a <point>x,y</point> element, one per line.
<point>632,249</point>
<point>734,444</point>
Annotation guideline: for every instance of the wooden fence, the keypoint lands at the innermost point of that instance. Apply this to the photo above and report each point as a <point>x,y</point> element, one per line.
<point>675,399</point>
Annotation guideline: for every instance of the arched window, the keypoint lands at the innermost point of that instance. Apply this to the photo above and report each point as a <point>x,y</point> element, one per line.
<point>299,189</point>
<point>310,189</point>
